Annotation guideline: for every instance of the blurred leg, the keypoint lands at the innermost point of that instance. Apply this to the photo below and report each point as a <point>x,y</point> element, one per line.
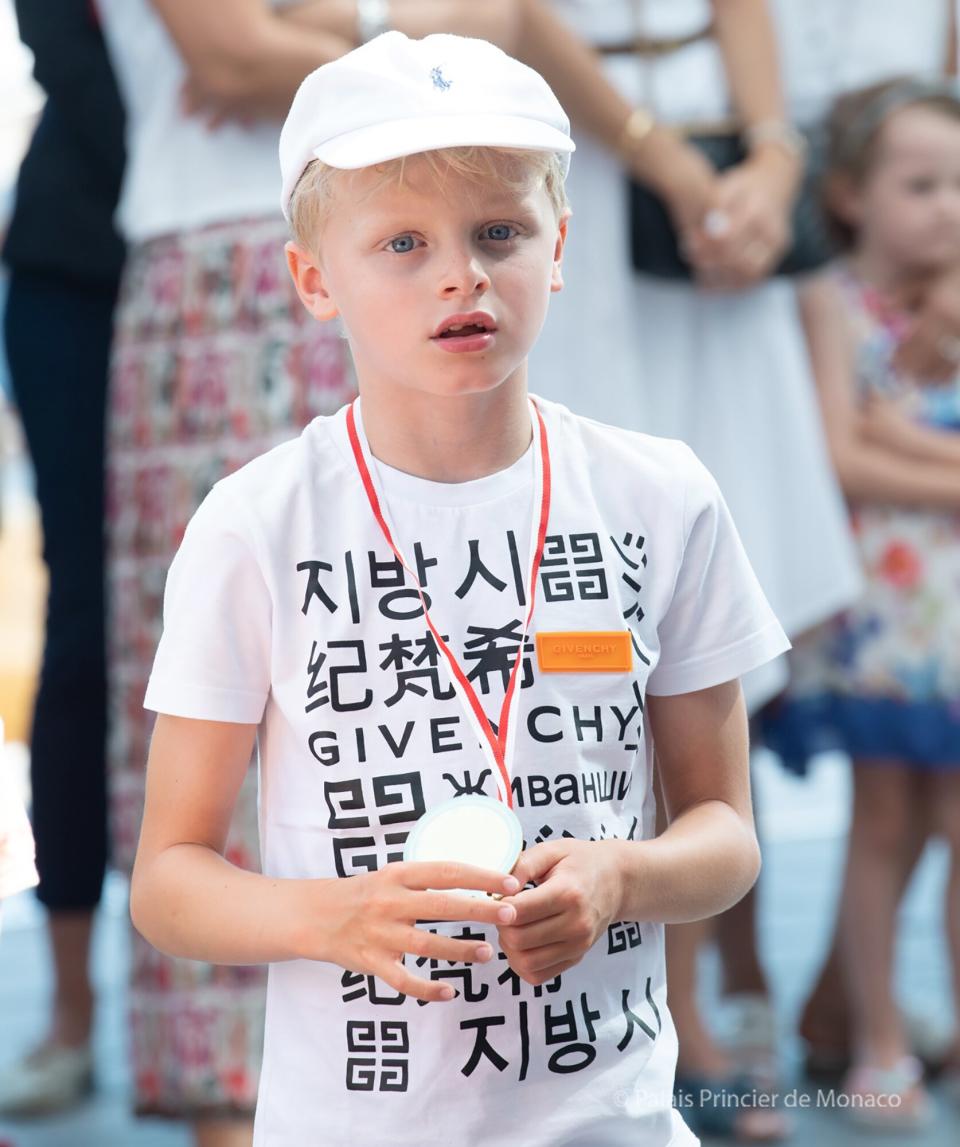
<point>701,1062</point>
<point>736,931</point>
<point>736,936</point>
<point>70,934</point>
<point>880,845</point>
<point>58,338</point>
<point>942,793</point>
<point>825,1018</point>
<point>699,1054</point>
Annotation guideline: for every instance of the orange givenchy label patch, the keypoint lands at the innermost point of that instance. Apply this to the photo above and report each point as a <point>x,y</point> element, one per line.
<point>585,652</point>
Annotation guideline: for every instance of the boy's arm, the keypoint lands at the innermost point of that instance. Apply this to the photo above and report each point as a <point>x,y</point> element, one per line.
<point>185,897</point>
<point>189,901</point>
<point>706,860</point>
<point>868,471</point>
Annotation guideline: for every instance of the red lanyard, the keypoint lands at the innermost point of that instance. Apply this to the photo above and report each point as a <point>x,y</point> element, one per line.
<point>496,742</point>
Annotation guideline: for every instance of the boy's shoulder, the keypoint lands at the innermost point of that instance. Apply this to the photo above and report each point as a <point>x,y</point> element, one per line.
<point>633,459</point>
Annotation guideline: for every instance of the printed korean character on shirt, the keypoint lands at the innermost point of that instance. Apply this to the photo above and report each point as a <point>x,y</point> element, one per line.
<point>366,808</point>
<point>573,1027</point>
<point>353,580</point>
<point>572,568</point>
<point>507,563</point>
<point>377,1055</point>
<point>485,1029</point>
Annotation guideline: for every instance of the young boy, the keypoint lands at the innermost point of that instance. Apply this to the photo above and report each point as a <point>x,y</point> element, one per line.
<point>424,184</point>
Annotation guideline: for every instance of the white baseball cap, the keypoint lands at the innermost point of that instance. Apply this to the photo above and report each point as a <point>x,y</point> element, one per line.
<point>394,96</point>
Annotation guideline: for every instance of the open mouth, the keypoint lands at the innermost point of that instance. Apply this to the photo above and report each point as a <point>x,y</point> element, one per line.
<point>462,330</point>
<point>466,328</point>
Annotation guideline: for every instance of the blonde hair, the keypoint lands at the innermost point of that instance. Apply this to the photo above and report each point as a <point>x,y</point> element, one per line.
<point>514,168</point>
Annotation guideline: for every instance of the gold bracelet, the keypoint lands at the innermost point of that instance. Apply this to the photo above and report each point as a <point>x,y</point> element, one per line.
<point>636,128</point>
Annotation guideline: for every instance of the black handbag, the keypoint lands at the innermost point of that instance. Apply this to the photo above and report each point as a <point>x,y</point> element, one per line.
<point>653,238</point>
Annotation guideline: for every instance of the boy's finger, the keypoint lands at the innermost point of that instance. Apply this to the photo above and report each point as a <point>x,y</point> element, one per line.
<point>450,906</point>
<point>536,862</point>
<point>523,937</point>
<point>535,904</point>
<point>540,959</point>
<point>417,942</point>
<point>422,874</point>
<point>397,976</point>
<point>551,973</point>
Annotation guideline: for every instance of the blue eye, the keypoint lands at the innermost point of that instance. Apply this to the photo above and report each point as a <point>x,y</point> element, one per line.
<point>499,232</point>
<point>402,244</point>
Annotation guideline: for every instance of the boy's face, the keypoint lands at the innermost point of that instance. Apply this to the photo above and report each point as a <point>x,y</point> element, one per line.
<point>400,261</point>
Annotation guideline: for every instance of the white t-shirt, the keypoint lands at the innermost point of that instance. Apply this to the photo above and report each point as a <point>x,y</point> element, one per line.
<point>180,174</point>
<point>285,607</point>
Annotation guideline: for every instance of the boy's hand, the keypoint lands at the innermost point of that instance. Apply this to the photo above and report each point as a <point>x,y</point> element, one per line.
<point>366,923</point>
<point>578,895</point>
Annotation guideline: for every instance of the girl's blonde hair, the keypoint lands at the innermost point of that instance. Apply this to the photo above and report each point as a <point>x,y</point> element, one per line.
<point>514,168</point>
<point>855,126</point>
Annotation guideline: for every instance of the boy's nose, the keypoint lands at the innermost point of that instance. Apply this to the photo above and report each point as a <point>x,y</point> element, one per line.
<point>465,276</point>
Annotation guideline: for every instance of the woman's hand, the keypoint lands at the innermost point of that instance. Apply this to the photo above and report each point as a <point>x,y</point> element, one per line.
<point>214,108</point>
<point>746,230</point>
<point>367,923</point>
<point>679,174</point>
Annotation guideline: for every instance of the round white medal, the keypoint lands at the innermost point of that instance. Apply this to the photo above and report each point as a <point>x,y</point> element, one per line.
<point>474,830</point>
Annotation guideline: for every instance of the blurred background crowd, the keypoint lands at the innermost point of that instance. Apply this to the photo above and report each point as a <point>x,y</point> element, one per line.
<point>764,261</point>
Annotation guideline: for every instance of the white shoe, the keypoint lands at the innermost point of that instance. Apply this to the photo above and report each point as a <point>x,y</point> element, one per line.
<point>49,1079</point>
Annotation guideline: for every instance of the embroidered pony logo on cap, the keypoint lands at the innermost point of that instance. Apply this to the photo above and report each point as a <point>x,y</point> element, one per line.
<point>441,84</point>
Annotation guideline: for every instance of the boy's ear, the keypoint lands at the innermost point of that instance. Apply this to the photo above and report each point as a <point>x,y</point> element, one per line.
<point>556,277</point>
<point>310,282</point>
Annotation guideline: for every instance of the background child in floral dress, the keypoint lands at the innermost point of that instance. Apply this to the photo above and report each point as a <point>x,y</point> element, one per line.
<point>883,680</point>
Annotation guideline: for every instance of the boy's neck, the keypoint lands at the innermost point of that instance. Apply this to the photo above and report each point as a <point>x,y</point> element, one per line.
<point>448,439</point>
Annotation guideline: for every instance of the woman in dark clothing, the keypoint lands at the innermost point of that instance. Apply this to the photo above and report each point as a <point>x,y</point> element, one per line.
<point>64,259</point>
